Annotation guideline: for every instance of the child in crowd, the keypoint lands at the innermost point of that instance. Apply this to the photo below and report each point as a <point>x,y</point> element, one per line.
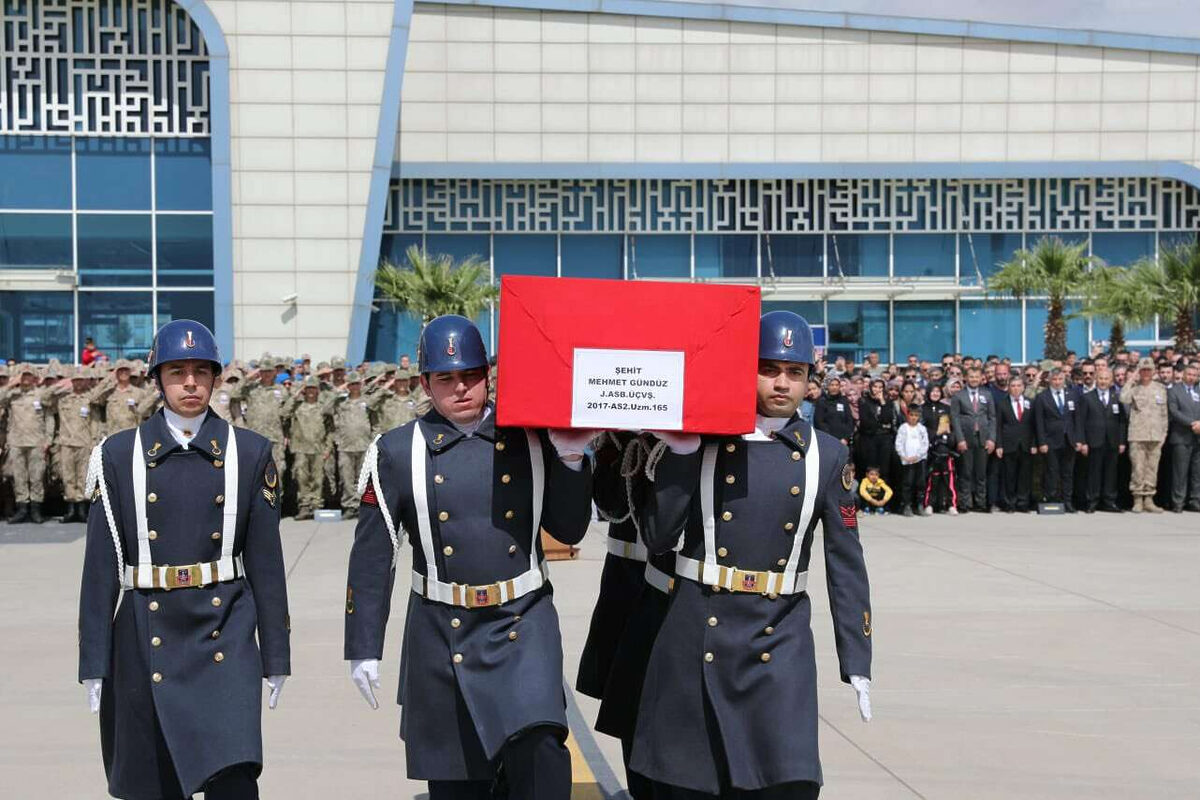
<point>874,492</point>
<point>912,445</point>
<point>940,494</point>
<point>854,482</point>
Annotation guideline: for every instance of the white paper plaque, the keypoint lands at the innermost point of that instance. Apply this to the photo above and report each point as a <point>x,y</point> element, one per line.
<point>627,389</point>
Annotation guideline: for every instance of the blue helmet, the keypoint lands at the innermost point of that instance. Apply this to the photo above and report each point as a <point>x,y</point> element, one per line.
<point>785,336</point>
<point>183,339</point>
<point>450,343</point>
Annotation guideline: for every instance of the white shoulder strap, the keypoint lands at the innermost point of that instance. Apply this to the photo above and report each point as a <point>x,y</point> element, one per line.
<point>139,500</point>
<point>421,501</point>
<point>708,471</point>
<point>370,472</point>
<point>812,475</point>
<point>537,472</point>
<point>95,480</point>
<point>229,513</point>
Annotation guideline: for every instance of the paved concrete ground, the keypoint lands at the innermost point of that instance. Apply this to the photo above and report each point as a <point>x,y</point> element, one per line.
<point>1016,657</point>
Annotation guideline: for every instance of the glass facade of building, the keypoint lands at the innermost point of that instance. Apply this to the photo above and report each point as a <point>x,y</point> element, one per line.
<point>894,266</point>
<point>106,207</point>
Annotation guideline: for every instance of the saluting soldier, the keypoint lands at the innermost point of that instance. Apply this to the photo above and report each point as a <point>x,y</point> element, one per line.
<point>261,400</point>
<point>392,404</point>
<point>30,431</point>
<point>481,667</point>
<point>183,605</point>
<point>352,436</point>
<point>1146,400</point>
<point>310,444</point>
<point>124,404</point>
<point>735,650</point>
<point>76,425</point>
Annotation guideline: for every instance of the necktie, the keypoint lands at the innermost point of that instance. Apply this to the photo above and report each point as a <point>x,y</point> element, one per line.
<point>1104,399</point>
<point>1017,406</point>
<point>974,401</point>
<point>1058,400</point>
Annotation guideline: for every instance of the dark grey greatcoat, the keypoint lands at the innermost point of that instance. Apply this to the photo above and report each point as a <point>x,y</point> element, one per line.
<point>760,712</point>
<point>457,716</point>
<point>208,710</point>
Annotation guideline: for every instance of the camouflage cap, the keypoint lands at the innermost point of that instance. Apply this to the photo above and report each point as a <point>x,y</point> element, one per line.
<point>403,374</point>
<point>281,362</point>
<point>337,362</point>
<point>1145,362</point>
<point>81,373</point>
<point>122,364</point>
<point>353,377</point>
<point>4,370</point>
<point>21,369</point>
<point>312,382</point>
<point>323,368</point>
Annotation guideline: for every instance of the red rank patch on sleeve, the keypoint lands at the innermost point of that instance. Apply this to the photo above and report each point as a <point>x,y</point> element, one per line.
<point>849,516</point>
<point>368,496</point>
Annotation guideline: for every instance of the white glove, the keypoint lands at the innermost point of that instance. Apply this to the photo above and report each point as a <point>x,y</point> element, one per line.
<point>681,444</point>
<point>365,674</point>
<point>571,441</point>
<point>275,684</point>
<point>94,687</point>
<point>862,686</point>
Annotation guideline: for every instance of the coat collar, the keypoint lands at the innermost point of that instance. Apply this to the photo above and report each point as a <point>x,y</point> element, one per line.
<point>210,439</point>
<point>440,433</point>
<point>796,434</point>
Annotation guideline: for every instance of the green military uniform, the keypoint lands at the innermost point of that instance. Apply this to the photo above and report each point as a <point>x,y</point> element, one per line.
<point>75,438</point>
<point>124,406</point>
<point>30,431</point>
<point>263,412</point>
<point>310,445</point>
<point>391,408</point>
<point>1147,431</point>
<point>223,401</point>
<point>352,435</point>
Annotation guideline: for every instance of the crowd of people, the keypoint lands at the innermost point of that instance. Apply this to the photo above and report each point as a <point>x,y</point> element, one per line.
<point>1109,432</point>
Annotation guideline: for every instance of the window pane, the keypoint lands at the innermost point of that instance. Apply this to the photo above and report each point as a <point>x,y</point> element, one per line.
<point>395,245</point>
<point>35,172</point>
<point>859,254</point>
<point>858,327</point>
<point>1122,249</point>
<point>924,254</point>
<point>660,256</point>
<point>120,322</point>
<point>113,174</point>
<point>35,241</point>
<point>36,326</point>
<point>186,305</point>
<point>114,250</point>
<point>726,256</point>
<point>185,250</point>
<point>1035,330</point>
<point>591,256</point>
<point>985,251</point>
<point>924,327</point>
<point>392,333</point>
<point>525,254</point>
<point>990,327</point>
<point>1102,329</point>
<point>183,174</point>
<point>793,256</point>
<point>1173,238</point>
<point>460,247</point>
<point>813,312</point>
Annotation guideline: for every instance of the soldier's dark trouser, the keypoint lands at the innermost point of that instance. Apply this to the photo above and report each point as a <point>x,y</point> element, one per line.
<point>798,790</point>
<point>972,478</point>
<point>536,764</point>
<point>1060,474</point>
<point>1185,475</point>
<point>1102,477</point>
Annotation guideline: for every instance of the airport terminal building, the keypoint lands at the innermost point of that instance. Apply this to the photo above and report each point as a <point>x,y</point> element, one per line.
<point>249,162</point>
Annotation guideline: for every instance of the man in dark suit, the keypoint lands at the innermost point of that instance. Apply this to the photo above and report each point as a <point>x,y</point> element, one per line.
<point>1056,431</point>
<point>1105,425</point>
<point>1183,410</point>
<point>995,469</point>
<point>1015,445</point>
<point>973,417</point>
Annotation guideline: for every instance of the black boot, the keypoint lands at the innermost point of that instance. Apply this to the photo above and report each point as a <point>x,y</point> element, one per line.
<point>81,510</point>
<point>70,516</point>
<point>35,513</point>
<point>20,515</point>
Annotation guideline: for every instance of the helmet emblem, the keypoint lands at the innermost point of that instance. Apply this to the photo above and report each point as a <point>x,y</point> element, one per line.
<point>787,337</point>
<point>450,349</point>
<point>189,342</point>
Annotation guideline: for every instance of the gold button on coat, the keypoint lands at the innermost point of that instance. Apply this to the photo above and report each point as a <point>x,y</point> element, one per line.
<point>218,463</point>
<point>458,658</point>
<point>509,514</point>
<point>152,464</point>
<point>722,552</point>
<point>512,548</point>
<point>448,550</point>
<point>216,535</point>
<point>728,515</point>
<point>789,526</point>
<point>152,535</point>
<point>499,445</point>
<point>731,447</point>
<point>216,601</point>
<point>218,657</point>
<point>782,562</point>
<point>772,596</point>
<point>795,455</point>
<point>219,499</point>
<point>765,657</point>
<point>156,677</point>
<point>708,657</point>
<point>152,497</point>
<point>443,516</point>
<point>505,478</point>
<point>154,605</point>
<point>712,622</point>
<point>155,641</point>
<point>795,490</point>
<point>454,623</point>
<point>215,634</point>
<point>768,630</point>
<point>512,636</point>
<point>438,479</point>
<point>730,479</point>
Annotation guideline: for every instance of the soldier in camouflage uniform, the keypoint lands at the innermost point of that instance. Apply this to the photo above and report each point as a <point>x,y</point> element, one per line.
<point>392,403</point>
<point>262,401</point>
<point>30,431</point>
<point>352,435</point>
<point>338,365</point>
<point>74,441</point>
<point>124,404</point>
<point>309,443</point>
<point>223,403</point>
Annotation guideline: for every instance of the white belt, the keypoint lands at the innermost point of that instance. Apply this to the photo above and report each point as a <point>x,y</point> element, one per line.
<point>659,579</point>
<point>490,594</point>
<point>183,577</point>
<point>740,580</point>
<point>634,551</point>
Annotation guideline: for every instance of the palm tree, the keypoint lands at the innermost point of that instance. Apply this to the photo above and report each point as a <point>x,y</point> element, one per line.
<point>1171,284</point>
<point>1110,293</point>
<point>433,285</point>
<point>1053,268</point>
